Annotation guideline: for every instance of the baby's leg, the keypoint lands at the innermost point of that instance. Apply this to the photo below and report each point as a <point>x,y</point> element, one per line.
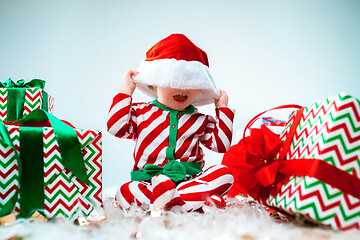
<point>164,196</point>
<point>134,192</point>
<point>216,179</point>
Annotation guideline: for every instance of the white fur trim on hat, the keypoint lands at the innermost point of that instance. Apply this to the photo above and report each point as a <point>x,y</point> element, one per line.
<point>178,74</point>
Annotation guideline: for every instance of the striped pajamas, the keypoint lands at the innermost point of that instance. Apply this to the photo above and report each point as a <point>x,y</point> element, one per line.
<point>162,135</point>
<point>189,194</point>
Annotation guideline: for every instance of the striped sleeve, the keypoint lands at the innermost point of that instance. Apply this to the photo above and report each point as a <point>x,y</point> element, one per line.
<point>218,132</point>
<point>121,118</point>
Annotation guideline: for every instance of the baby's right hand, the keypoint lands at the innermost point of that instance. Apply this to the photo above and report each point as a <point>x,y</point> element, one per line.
<point>127,84</point>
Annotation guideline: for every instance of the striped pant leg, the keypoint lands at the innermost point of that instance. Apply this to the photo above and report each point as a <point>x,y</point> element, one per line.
<point>165,195</point>
<point>161,193</point>
<point>134,192</point>
<point>216,179</point>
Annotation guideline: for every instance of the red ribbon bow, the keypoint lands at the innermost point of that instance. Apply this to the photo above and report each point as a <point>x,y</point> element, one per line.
<point>261,148</point>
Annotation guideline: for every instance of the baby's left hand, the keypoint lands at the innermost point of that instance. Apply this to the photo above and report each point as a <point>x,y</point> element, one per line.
<point>223,100</point>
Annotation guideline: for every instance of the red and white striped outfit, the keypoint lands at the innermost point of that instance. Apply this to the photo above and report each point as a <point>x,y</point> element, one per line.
<point>149,126</point>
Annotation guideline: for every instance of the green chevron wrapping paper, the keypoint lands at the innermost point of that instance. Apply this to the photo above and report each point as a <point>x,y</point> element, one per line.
<point>328,130</point>
<point>19,99</point>
<point>65,194</point>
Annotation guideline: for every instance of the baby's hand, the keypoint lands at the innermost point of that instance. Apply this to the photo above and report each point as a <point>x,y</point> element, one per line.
<point>127,84</point>
<point>223,99</point>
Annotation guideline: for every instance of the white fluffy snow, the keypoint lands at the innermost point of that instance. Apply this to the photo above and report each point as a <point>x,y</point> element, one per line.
<point>238,221</point>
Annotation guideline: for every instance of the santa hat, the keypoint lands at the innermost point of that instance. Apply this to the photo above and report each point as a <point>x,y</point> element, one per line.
<point>176,62</point>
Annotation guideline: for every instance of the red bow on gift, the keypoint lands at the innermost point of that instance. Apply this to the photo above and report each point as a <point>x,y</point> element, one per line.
<point>252,160</point>
<point>262,149</point>
<point>255,158</point>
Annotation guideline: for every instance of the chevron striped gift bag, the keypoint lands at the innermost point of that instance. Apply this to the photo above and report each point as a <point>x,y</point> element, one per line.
<point>63,194</point>
<point>19,99</point>
<point>328,130</point>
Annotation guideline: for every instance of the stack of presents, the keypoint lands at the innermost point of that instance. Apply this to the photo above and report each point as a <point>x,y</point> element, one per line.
<point>47,166</point>
<point>311,170</point>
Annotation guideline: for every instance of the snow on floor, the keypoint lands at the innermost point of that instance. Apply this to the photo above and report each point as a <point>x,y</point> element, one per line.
<point>246,222</point>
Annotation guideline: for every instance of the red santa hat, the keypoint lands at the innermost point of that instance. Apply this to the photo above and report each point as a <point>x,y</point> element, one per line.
<point>176,62</point>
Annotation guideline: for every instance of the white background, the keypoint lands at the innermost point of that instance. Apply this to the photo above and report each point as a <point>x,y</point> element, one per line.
<point>263,53</point>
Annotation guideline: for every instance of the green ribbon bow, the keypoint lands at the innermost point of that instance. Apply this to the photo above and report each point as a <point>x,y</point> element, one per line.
<point>16,96</point>
<point>30,161</point>
<point>35,83</point>
<point>176,171</point>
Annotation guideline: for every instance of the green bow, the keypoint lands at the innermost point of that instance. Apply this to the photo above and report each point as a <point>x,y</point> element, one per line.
<point>69,145</point>
<point>176,171</point>
<point>35,83</point>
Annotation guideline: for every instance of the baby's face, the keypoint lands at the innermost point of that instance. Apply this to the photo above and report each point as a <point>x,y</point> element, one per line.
<point>177,99</point>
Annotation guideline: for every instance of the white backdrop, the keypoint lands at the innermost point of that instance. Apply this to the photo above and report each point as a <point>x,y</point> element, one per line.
<point>263,53</point>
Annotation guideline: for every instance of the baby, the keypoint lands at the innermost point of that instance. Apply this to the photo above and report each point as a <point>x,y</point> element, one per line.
<point>167,131</point>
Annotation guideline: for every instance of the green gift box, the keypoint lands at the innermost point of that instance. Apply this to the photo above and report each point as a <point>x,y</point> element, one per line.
<point>49,167</point>
<point>18,99</point>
